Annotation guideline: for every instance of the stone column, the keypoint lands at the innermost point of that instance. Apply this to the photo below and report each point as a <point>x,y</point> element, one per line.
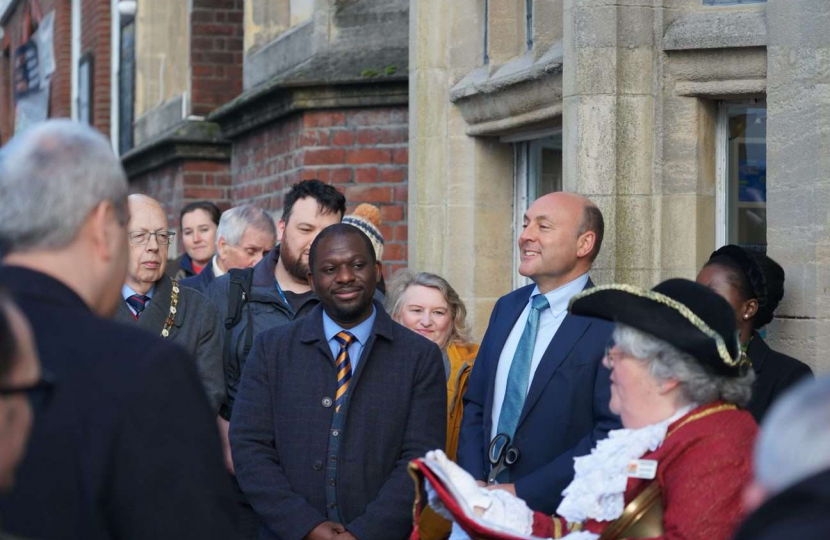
<point>798,174</point>
<point>608,130</point>
<point>460,187</point>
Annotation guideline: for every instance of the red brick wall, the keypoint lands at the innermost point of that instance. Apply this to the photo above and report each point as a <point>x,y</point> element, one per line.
<point>364,152</point>
<point>216,48</point>
<point>96,38</point>
<point>181,182</point>
<point>59,99</point>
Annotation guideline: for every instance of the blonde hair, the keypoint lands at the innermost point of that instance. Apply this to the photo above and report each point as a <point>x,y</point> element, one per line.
<point>406,278</point>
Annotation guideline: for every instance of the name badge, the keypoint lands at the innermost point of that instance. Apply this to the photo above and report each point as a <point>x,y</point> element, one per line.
<point>641,468</point>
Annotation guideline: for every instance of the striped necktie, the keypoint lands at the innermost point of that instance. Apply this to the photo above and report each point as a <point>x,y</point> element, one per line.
<point>138,302</point>
<point>343,367</point>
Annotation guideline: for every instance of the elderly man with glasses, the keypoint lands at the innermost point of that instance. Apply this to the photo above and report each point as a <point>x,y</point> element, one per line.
<point>156,302</point>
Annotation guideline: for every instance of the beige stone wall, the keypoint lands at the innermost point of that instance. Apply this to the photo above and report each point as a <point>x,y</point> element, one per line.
<point>162,53</point>
<point>267,19</point>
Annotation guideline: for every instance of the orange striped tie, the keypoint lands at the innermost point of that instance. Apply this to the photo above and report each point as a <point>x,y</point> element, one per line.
<point>343,367</point>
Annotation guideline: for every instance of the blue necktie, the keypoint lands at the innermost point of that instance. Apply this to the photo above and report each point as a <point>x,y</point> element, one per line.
<point>518,378</point>
<point>138,302</point>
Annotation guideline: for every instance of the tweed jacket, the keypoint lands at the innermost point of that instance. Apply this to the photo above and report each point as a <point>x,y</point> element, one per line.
<point>281,429</point>
<point>195,328</point>
<point>128,446</point>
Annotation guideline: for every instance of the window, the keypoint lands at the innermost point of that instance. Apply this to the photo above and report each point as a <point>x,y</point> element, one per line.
<point>742,175</point>
<point>85,89</point>
<point>486,32</point>
<point>538,171</point>
<point>732,2</point>
<point>529,22</point>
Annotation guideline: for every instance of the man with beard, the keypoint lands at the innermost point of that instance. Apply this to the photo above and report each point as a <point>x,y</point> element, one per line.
<point>154,301</point>
<point>333,407</point>
<point>272,293</point>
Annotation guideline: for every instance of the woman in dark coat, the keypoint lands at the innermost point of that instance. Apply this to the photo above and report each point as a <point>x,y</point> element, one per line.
<point>754,285</point>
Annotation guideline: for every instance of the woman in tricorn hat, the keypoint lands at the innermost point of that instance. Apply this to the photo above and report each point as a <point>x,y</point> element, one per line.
<point>679,466</point>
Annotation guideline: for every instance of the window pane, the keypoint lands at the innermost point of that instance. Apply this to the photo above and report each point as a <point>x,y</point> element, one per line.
<point>747,176</point>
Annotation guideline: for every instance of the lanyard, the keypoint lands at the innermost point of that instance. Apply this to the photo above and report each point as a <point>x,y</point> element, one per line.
<point>282,295</point>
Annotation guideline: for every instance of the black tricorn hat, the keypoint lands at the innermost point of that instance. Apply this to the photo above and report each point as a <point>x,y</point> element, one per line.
<point>689,316</point>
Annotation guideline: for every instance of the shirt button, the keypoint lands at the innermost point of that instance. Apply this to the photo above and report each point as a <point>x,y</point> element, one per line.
<point>327,402</point>
<point>332,482</point>
<point>333,459</point>
<point>333,506</point>
<point>335,433</point>
<point>317,465</point>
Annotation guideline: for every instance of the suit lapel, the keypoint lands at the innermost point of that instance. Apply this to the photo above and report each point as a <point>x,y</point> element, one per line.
<point>757,352</point>
<point>566,337</point>
<point>156,312</point>
<point>512,310</point>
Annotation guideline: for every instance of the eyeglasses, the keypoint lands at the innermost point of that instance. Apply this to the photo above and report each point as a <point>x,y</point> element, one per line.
<point>39,394</point>
<point>140,238</point>
<point>609,358</point>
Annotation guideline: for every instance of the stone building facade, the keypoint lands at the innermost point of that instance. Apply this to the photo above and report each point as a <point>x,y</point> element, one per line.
<point>268,93</point>
<point>691,124</point>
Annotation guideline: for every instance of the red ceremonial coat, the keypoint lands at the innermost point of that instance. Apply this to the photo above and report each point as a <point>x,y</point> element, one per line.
<point>702,468</point>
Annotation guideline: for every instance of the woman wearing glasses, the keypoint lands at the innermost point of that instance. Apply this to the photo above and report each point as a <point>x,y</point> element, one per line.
<point>679,466</point>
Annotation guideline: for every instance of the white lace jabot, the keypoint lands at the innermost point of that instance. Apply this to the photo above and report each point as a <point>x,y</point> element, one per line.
<point>598,488</point>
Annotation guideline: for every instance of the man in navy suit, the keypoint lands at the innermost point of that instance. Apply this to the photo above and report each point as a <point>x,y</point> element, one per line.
<point>128,447</point>
<point>538,379</point>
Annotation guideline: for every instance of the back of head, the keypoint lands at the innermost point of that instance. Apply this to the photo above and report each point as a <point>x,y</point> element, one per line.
<point>51,176</point>
<point>794,442</point>
<point>234,222</point>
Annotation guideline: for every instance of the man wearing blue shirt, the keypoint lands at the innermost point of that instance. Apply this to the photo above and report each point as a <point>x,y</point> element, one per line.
<point>332,408</point>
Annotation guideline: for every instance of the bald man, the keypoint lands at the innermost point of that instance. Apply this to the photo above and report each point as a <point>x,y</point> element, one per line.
<point>538,384</point>
<point>155,302</point>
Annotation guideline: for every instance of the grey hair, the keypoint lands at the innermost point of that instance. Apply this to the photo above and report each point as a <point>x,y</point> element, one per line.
<point>665,361</point>
<point>234,222</point>
<point>794,442</point>
<point>406,278</point>
<point>51,177</point>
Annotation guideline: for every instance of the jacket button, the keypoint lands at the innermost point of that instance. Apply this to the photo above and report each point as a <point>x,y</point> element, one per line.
<point>327,402</point>
<point>318,465</point>
<point>332,482</point>
<point>335,433</point>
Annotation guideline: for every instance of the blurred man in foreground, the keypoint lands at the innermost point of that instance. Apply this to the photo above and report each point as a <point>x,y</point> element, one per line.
<point>122,452</point>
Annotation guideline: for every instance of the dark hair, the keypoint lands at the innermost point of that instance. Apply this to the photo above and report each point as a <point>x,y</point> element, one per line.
<point>755,276</point>
<point>8,341</point>
<point>592,221</point>
<point>328,198</point>
<point>340,229</point>
<point>207,206</point>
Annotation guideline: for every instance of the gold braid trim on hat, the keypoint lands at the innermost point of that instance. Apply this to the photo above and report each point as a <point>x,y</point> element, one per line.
<point>687,313</point>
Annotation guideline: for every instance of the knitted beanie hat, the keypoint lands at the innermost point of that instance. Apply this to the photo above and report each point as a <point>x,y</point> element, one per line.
<point>366,217</point>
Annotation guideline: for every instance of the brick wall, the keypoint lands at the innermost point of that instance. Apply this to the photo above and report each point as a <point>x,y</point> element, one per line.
<point>363,152</point>
<point>216,46</point>
<point>96,38</point>
<point>181,182</point>
<point>59,99</point>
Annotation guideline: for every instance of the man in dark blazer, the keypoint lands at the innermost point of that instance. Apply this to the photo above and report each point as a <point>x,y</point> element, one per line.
<point>538,377</point>
<point>333,406</point>
<point>128,447</point>
<point>155,302</point>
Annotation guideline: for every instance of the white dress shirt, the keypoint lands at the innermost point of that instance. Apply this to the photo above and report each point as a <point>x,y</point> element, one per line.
<point>549,322</point>
<point>217,272</point>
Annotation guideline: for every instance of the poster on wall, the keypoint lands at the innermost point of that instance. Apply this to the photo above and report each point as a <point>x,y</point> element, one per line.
<point>34,64</point>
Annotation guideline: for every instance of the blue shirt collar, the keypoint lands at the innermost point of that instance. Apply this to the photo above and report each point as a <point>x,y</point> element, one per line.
<point>561,297</point>
<point>362,331</point>
<point>127,291</point>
